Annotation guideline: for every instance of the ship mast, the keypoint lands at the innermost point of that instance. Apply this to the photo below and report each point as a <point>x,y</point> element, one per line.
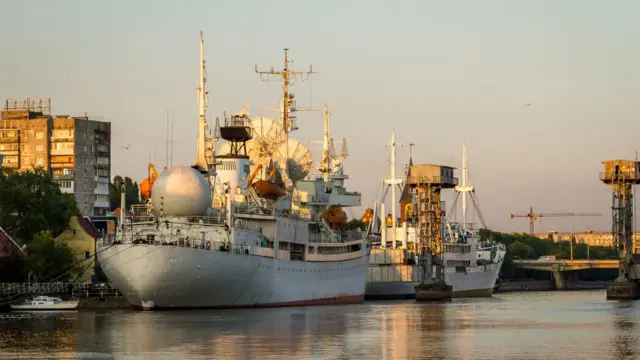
<point>287,76</point>
<point>326,145</point>
<point>201,152</point>
<point>464,184</point>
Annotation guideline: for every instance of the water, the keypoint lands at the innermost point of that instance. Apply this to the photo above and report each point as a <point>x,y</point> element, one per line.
<point>546,325</point>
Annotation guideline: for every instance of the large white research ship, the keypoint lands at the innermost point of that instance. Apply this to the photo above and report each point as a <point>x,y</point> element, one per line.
<point>471,266</point>
<point>242,227</point>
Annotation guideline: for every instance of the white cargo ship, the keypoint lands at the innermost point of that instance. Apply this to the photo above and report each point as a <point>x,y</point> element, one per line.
<point>471,266</point>
<point>242,227</point>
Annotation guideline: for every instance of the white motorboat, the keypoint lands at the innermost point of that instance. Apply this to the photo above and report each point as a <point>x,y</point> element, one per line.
<point>42,303</point>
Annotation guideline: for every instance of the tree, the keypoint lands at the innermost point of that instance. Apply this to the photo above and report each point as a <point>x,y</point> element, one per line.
<point>520,250</point>
<point>355,224</point>
<point>132,191</point>
<point>31,202</point>
<point>48,259</point>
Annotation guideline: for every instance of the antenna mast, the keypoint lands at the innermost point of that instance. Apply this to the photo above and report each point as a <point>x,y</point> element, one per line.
<point>287,76</point>
<point>203,95</point>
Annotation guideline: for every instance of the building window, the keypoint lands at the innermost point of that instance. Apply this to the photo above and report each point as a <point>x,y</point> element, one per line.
<point>39,135</point>
<point>39,148</point>
<point>39,161</point>
<point>87,254</point>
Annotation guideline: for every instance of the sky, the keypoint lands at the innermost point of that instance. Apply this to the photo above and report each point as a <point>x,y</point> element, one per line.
<point>441,73</point>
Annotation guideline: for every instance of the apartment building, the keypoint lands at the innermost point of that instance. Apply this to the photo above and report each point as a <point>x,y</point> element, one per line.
<point>76,150</point>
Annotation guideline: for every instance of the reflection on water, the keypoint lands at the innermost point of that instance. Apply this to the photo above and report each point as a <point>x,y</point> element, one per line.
<point>554,325</point>
<point>625,342</point>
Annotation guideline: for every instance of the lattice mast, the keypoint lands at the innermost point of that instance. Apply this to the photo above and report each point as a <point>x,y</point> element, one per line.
<point>622,175</point>
<point>427,182</point>
<point>288,76</point>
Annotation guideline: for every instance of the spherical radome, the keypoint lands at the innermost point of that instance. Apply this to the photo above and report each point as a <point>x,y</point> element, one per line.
<point>186,192</point>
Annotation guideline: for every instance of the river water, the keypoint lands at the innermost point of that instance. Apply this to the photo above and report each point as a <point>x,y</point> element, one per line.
<point>545,325</point>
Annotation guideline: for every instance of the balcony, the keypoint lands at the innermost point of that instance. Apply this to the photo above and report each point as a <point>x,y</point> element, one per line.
<point>61,165</point>
<point>101,191</point>
<point>9,139</point>
<point>67,176</point>
<point>101,179</point>
<point>63,138</point>
<point>622,176</point>
<point>62,152</point>
<point>101,204</point>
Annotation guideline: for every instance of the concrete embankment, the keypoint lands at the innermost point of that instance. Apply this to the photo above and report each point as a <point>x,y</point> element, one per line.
<point>549,285</point>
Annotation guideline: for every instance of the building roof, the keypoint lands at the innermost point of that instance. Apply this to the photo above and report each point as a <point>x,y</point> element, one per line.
<point>88,227</point>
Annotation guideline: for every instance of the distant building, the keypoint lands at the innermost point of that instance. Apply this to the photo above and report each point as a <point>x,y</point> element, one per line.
<point>76,150</point>
<point>590,238</point>
<point>81,238</point>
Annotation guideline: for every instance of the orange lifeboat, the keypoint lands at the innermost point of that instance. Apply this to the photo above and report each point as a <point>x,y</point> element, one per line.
<point>268,190</point>
<point>147,184</point>
<point>335,216</point>
<point>368,215</point>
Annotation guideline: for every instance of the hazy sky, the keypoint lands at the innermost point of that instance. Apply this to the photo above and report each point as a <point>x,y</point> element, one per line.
<point>440,72</point>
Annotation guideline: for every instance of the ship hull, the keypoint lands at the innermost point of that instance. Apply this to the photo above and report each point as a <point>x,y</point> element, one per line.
<point>168,277</point>
<point>477,282</point>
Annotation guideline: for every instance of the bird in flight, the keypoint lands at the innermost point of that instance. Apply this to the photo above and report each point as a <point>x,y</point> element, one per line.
<point>126,147</point>
<point>527,105</point>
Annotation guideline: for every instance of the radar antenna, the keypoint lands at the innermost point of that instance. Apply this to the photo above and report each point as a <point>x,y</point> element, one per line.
<point>288,76</point>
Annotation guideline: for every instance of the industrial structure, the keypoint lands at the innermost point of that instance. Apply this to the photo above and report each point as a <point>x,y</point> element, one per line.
<point>427,182</point>
<point>621,175</point>
<point>75,150</point>
<point>534,216</point>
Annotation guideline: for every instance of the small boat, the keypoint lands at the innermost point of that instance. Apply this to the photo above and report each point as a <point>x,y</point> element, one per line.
<point>42,303</point>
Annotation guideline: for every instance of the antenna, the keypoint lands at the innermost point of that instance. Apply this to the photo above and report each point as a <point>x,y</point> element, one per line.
<point>287,76</point>
<point>171,148</point>
<point>166,144</point>
<point>203,95</point>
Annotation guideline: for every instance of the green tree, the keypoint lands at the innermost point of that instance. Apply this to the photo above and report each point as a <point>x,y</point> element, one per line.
<point>132,191</point>
<point>520,250</point>
<point>48,259</point>
<point>31,202</point>
<point>355,224</point>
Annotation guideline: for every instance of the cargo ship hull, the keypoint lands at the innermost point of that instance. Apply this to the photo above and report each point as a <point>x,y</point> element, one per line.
<point>169,277</point>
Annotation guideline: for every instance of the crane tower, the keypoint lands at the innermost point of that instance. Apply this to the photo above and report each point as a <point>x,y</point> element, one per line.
<point>621,175</point>
<point>427,182</point>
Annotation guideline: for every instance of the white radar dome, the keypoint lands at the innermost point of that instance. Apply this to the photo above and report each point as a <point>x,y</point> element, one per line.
<point>185,192</point>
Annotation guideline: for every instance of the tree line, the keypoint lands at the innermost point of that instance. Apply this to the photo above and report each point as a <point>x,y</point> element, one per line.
<point>33,211</point>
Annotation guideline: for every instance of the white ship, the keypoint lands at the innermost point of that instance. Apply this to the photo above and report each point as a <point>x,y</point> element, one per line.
<point>471,266</point>
<point>233,230</point>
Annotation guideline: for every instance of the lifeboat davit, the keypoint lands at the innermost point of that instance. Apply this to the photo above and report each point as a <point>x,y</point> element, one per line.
<point>335,216</point>
<point>147,184</point>
<point>268,190</point>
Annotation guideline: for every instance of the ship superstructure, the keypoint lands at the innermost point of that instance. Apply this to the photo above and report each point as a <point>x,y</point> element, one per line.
<point>226,232</point>
<point>470,265</point>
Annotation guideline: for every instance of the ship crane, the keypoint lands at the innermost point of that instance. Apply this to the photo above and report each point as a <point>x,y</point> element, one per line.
<point>534,216</point>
